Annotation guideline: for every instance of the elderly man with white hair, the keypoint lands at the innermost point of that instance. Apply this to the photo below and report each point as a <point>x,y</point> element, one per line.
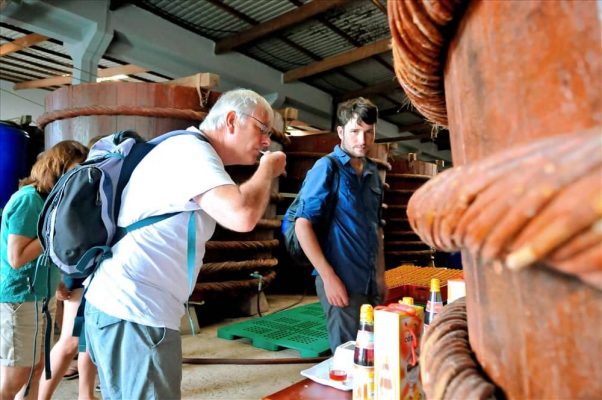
<point>135,300</point>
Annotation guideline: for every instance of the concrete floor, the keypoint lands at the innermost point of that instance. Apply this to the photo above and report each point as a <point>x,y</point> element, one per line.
<point>228,382</point>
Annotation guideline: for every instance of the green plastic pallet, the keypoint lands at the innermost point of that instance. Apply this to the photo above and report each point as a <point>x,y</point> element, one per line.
<point>302,328</point>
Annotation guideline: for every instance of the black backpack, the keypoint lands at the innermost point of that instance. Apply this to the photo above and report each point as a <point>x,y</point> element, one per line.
<point>291,242</point>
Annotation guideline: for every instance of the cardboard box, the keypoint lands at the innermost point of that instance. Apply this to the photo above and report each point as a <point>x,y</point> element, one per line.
<point>420,294</point>
<point>415,282</point>
<point>457,289</point>
<point>397,332</point>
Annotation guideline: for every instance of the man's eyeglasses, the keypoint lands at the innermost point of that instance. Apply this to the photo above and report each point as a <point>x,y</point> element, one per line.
<point>265,130</point>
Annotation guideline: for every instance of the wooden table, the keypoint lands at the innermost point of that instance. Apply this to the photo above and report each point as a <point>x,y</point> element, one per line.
<point>309,390</point>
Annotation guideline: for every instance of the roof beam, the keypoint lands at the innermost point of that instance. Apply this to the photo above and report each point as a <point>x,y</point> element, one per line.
<point>21,43</point>
<point>380,6</point>
<point>403,138</point>
<point>339,60</point>
<point>385,86</point>
<point>129,69</point>
<point>116,4</point>
<point>249,20</point>
<point>405,108</point>
<point>234,12</point>
<point>284,21</point>
<point>418,126</point>
<point>392,110</point>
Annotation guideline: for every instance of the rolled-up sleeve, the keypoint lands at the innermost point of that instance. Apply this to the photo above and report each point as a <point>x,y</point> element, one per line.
<point>315,192</point>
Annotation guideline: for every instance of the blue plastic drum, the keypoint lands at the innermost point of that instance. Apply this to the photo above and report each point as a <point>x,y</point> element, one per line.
<point>13,159</point>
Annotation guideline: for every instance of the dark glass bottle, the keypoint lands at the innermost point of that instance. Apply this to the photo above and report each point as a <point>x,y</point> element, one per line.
<point>434,304</point>
<point>363,356</point>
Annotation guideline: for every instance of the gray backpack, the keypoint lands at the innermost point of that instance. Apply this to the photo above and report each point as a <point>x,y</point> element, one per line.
<point>78,224</point>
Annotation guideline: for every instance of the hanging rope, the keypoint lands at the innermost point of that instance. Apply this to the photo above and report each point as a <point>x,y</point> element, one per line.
<point>237,266</point>
<point>242,245</point>
<point>447,363</point>
<point>208,290</point>
<point>539,203</point>
<point>419,42</point>
<point>158,112</point>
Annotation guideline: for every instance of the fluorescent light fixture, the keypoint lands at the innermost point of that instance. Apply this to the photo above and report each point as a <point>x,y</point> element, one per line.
<point>113,78</point>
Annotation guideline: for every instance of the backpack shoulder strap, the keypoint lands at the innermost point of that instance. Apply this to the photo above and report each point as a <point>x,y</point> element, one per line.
<point>335,188</point>
<point>138,152</point>
<point>179,132</point>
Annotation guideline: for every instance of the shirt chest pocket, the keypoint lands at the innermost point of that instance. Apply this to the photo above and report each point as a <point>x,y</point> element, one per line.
<point>361,198</point>
<point>374,197</point>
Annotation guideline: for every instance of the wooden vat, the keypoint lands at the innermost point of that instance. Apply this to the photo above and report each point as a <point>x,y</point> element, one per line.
<point>518,83</point>
<point>402,245</point>
<point>81,112</point>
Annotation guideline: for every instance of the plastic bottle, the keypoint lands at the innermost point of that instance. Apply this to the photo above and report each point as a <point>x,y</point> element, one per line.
<point>434,304</point>
<point>363,356</point>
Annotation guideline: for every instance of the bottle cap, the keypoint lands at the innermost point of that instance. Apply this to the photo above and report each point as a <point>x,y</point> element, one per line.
<point>407,300</point>
<point>367,313</point>
<point>420,311</point>
<point>435,285</point>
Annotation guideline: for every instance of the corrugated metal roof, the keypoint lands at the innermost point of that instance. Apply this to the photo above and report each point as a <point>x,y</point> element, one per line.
<point>363,22</point>
<point>369,71</point>
<point>48,59</point>
<point>199,16</point>
<point>262,11</point>
<point>319,39</point>
<point>330,33</point>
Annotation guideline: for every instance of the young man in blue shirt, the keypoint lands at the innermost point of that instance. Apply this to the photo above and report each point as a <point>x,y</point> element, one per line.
<point>350,264</point>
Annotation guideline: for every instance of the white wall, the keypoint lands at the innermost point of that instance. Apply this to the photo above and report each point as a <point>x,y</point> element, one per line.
<point>14,104</point>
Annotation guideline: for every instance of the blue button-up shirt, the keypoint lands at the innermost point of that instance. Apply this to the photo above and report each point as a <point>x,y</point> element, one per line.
<point>351,245</point>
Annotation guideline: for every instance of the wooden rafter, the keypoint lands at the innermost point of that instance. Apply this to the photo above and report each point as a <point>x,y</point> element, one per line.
<point>284,21</point>
<point>129,69</point>
<point>382,87</point>
<point>234,12</point>
<point>380,6</point>
<point>404,108</point>
<point>339,60</point>
<point>21,43</point>
<point>116,4</point>
<point>418,126</point>
<point>403,138</point>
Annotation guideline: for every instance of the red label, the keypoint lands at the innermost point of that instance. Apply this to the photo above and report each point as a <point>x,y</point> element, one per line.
<point>434,308</point>
<point>365,340</point>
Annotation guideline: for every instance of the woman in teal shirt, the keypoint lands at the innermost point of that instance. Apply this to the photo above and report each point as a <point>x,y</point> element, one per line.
<point>21,287</point>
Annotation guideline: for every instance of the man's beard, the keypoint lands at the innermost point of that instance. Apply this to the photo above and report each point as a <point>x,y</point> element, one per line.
<point>354,153</point>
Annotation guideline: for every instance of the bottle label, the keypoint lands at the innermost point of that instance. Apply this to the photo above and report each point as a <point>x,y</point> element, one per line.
<point>365,340</point>
<point>434,307</point>
<point>363,383</point>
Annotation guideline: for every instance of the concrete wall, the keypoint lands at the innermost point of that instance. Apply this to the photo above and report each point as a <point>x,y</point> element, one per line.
<point>14,104</point>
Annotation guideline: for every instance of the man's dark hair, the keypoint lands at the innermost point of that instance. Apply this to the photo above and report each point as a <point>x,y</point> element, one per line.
<point>365,110</point>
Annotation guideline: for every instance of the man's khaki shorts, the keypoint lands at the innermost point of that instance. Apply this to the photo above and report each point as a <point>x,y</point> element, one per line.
<point>17,332</point>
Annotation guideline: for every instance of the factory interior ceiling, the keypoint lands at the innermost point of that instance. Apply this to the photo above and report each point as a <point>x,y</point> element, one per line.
<point>340,47</point>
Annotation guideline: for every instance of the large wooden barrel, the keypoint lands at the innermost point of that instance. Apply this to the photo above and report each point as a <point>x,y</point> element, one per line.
<point>81,112</point>
<point>519,84</point>
<point>402,245</point>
